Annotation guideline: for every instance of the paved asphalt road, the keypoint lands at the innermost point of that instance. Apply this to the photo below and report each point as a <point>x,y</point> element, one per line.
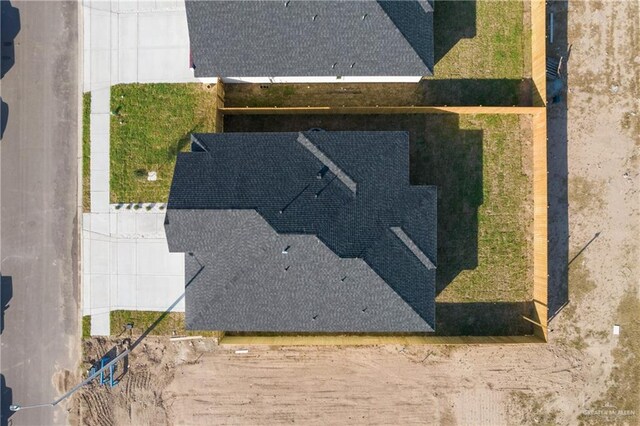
<point>38,199</point>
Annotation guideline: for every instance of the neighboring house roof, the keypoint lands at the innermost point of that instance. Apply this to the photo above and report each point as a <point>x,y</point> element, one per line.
<point>311,38</point>
<point>360,241</point>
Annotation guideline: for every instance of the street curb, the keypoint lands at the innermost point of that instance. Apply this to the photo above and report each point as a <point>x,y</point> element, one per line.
<point>79,193</point>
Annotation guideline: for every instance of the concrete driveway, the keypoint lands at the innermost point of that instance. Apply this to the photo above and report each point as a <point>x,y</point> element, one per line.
<point>127,265</point>
<point>135,42</point>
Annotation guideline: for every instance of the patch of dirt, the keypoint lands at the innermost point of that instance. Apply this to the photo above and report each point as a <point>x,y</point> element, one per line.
<point>64,380</point>
<point>603,211</point>
<point>531,408</point>
<point>198,382</point>
<point>366,385</point>
<point>585,195</point>
<point>137,398</point>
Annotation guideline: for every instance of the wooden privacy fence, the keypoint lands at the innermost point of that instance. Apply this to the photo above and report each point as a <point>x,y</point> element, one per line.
<point>540,201</point>
<point>539,48</point>
<point>219,106</point>
<point>540,224</point>
<point>540,277</point>
<point>334,340</point>
<point>395,110</point>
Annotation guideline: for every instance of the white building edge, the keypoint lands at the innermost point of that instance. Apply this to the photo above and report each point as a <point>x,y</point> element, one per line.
<point>323,79</point>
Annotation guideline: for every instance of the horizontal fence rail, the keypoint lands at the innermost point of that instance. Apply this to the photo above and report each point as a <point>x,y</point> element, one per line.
<point>379,110</point>
<point>376,340</point>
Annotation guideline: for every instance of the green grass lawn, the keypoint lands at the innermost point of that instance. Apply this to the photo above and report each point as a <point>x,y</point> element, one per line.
<point>481,54</point>
<point>485,211</point>
<point>86,327</point>
<point>86,152</point>
<point>150,124</point>
<point>480,40</point>
<point>169,324</point>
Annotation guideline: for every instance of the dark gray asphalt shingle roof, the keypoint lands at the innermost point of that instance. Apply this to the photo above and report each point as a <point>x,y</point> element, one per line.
<point>265,38</point>
<point>362,250</point>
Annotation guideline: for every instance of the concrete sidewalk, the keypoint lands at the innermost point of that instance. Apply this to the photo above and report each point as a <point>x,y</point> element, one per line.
<point>127,265</point>
<point>126,262</point>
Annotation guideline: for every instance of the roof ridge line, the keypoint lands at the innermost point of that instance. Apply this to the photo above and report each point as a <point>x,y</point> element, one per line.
<point>423,258</point>
<point>335,169</point>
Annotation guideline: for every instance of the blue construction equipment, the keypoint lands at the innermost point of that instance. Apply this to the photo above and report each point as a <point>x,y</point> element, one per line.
<point>104,361</point>
<point>112,380</point>
<point>105,378</point>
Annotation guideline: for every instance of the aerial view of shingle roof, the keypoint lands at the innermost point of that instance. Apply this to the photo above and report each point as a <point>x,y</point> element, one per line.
<point>267,38</point>
<point>304,232</point>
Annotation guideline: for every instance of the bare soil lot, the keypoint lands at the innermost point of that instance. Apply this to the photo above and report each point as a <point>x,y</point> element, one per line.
<point>197,382</point>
